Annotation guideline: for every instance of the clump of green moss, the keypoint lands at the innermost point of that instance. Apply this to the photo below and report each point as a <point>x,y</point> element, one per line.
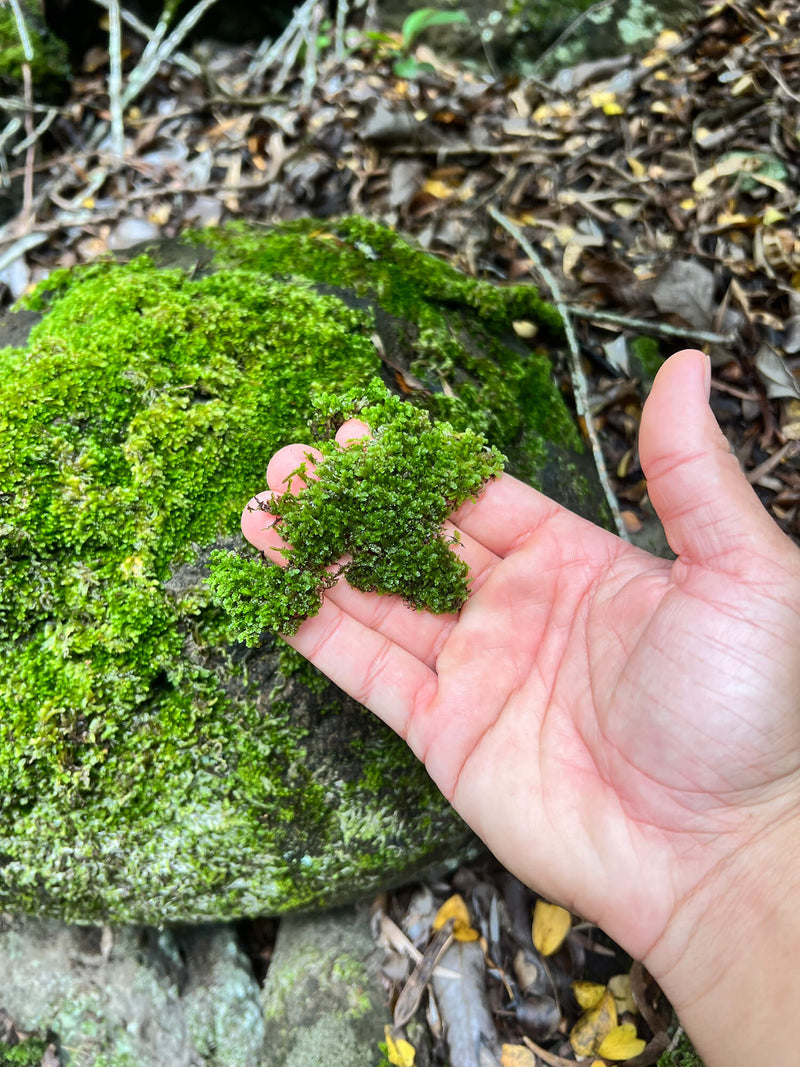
<point>380,503</point>
<point>152,768</point>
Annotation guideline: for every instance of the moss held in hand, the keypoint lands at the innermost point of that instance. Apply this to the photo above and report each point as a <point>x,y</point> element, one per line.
<point>380,502</point>
<point>153,768</point>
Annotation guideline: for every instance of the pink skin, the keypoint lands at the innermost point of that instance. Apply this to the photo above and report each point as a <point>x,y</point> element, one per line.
<point>622,731</point>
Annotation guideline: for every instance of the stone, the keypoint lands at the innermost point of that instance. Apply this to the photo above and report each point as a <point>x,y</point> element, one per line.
<point>323,1002</point>
<point>133,996</point>
<point>152,769</point>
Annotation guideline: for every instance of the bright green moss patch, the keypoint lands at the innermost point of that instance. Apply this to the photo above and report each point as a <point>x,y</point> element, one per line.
<point>381,503</point>
<point>152,768</point>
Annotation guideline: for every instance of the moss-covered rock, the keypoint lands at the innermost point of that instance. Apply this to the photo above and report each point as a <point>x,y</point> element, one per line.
<point>151,768</point>
<point>49,62</point>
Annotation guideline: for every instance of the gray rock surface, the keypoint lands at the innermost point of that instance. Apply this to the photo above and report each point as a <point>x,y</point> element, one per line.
<point>322,1001</point>
<point>133,996</point>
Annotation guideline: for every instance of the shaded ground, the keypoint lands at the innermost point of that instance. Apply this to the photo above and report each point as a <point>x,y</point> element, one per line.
<point>656,199</point>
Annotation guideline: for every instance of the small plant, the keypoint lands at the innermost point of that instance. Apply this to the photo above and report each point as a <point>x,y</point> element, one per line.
<point>398,49</point>
<point>381,503</point>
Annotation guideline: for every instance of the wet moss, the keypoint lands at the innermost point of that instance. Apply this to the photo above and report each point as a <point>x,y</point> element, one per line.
<point>151,769</point>
<point>381,504</point>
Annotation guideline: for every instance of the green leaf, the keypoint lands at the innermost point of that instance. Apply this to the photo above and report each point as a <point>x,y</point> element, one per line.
<point>426,17</point>
<point>407,67</point>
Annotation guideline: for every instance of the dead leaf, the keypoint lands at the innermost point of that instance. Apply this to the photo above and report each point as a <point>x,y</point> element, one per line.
<point>594,1026</point>
<point>413,990</point>
<point>588,994</point>
<point>400,1053</point>
<point>454,908</point>
<point>777,378</point>
<point>551,924</point>
<point>622,1043</point>
<point>686,289</point>
<point>517,1056</point>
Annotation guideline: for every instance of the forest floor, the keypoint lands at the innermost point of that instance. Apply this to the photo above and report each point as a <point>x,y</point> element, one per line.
<point>651,197</point>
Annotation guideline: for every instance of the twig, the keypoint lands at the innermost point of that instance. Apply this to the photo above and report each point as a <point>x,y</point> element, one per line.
<point>657,329</point>
<point>786,451</point>
<point>115,80</point>
<point>27,90</point>
<point>36,133</point>
<point>342,11</point>
<point>150,35</point>
<point>579,385</point>
<point>310,38</point>
<point>291,38</point>
<point>30,151</point>
<point>20,247</point>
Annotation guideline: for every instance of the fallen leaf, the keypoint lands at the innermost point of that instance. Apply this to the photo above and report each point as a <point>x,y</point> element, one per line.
<point>589,1032</point>
<point>620,988</point>
<point>454,908</point>
<point>777,378</point>
<point>551,924</point>
<point>401,1053</point>
<point>588,994</point>
<point>622,1043</point>
<point>516,1056</point>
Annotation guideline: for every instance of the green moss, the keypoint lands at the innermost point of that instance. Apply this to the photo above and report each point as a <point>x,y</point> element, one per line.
<point>381,504</point>
<point>150,768</point>
<point>683,1055</point>
<point>27,1053</point>
<point>646,353</point>
<point>50,64</point>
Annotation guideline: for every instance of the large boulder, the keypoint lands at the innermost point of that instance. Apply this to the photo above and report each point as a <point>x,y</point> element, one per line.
<point>151,768</point>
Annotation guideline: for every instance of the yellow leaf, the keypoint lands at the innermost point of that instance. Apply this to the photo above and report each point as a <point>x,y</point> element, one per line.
<point>594,1026</point>
<point>638,170</point>
<point>688,204</point>
<point>621,1043</point>
<point>438,189</point>
<point>551,925</point>
<point>620,989</point>
<point>588,994</point>
<point>401,1053</point>
<point>516,1056</point>
<point>607,101</point>
<point>772,215</point>
<point>455,908</point>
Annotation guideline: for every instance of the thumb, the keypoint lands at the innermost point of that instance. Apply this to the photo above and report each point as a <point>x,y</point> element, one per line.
<point>710,512</point>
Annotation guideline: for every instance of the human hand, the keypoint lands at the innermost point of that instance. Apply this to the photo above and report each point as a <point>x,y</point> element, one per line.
<point>622,731</point>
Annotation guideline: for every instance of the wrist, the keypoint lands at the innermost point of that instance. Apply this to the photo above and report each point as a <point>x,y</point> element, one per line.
<point>728,957</point>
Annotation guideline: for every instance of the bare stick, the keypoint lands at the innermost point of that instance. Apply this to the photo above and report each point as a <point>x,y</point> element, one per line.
<point>293,33</point>
<point>115,80</point>
<point>151,35</point>
<point>30,151</point>
<point>657,329</point>
<point>342,11</point>
<point>144,72</point>
<point>579,385</point>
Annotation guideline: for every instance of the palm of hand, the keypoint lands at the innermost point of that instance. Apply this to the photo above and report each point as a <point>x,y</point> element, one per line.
<point>612,725</point>
<point>612,720</point>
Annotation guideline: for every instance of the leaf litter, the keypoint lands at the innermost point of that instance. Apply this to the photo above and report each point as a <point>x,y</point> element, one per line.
<point>659,192</point>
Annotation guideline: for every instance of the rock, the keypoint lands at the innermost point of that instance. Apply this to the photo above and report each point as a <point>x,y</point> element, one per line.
<point>151,769</point>
<point>322,997</point>
<point>133,995</point>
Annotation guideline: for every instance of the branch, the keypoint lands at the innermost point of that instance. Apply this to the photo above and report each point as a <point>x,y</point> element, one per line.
<point>579,385</point>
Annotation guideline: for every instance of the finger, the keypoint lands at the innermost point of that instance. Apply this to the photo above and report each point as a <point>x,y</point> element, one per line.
<point>375,671</point>
<point>506,514</point>
<point>352,430</point>
<point>258,527</point>
<point>286,469</point>
<point>710,512</point>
